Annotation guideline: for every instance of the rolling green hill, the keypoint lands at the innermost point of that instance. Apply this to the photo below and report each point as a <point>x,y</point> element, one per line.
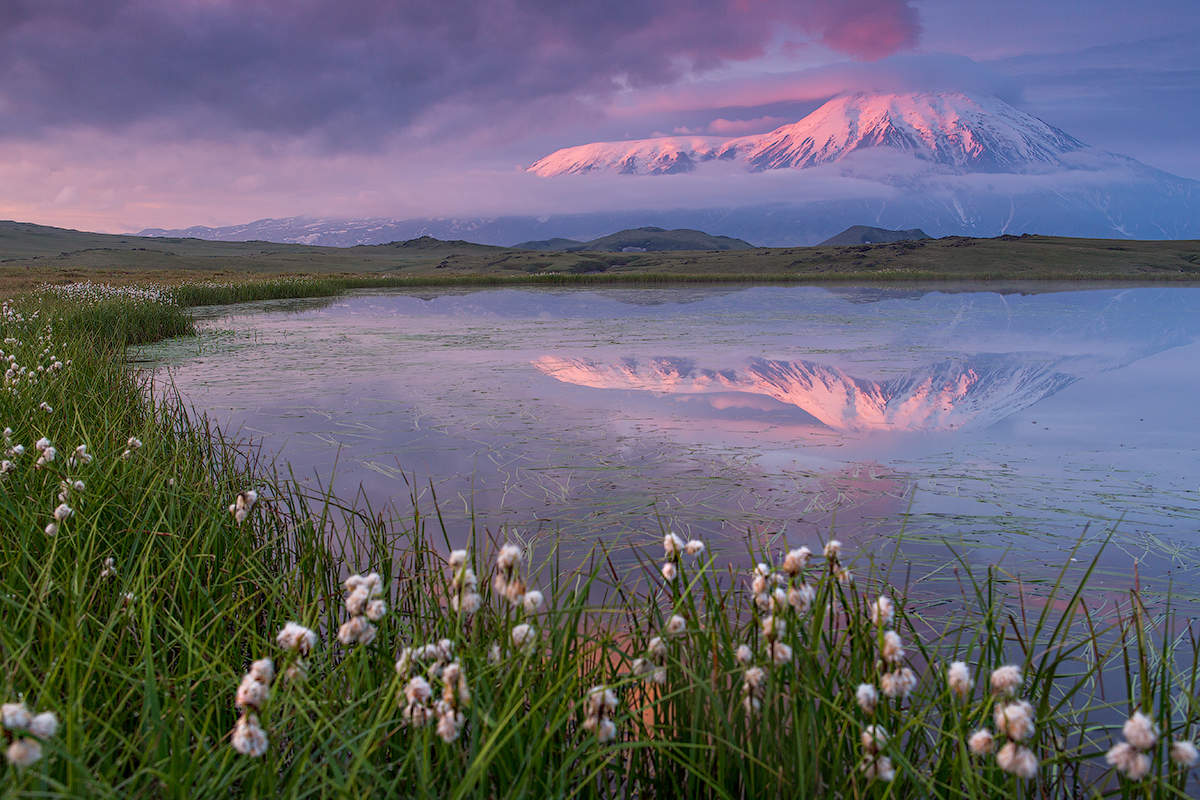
<point>865,234</point>
<point>647,239</point>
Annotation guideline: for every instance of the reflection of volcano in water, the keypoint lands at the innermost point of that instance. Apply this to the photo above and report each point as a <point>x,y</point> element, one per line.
<point>948,395</point>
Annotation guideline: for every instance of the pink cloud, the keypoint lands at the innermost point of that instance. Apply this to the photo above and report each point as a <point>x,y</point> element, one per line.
<point>741,127</point>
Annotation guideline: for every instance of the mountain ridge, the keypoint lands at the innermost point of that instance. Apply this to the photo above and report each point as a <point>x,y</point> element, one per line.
<point>958,130</point>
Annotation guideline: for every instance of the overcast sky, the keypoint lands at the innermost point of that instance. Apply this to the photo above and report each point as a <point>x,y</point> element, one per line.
<point>121,114</point>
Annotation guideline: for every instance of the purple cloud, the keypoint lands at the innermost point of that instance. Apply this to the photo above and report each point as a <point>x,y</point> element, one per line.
<point>356,71</point>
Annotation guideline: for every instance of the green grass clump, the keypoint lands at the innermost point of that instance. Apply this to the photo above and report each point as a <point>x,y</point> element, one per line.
<point>135,621</point>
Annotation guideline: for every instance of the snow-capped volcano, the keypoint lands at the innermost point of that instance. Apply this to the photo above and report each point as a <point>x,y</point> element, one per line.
<point>974,133</point>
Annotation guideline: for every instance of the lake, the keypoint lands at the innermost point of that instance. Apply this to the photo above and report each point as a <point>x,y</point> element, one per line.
<point>899,419</point>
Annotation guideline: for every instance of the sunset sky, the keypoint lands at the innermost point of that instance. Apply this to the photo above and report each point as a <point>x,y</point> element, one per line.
<point>121,114</point>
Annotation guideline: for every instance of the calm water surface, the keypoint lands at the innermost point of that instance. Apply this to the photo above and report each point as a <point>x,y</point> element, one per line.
<point>1004,424</point>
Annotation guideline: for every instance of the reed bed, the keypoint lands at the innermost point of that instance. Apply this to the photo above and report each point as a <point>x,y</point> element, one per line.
<point>176,619</point>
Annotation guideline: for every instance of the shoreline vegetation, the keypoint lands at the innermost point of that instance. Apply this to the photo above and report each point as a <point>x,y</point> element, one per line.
<point>196,625</point>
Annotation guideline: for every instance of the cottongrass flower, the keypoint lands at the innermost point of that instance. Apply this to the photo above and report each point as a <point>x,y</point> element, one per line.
<point>110,568</point>
<point>51,529</point>
<point>81,456</point>
<point>744,654</point>
<point>356,630</point>
<point>248,737</point>
<point>982,742</point>
<point>1006,680</point>
<point>1017,760</point>
<point>455,695</point>
<point>465,600</point>
<point>898,684</point>
<point>15,716</point>
<point>417,693</point>
<point>23,752</point>
<point>599,708</point>
<point>669,572</point>
<point>294,636</point>
<point>754,682</point>
<point>676,625</point>
<point>364,605</point>
<point>1014,720</point>
<point>883,611</point>
<point>673,545</point>
<point>958,679</point>
<point>6,467</point>
<point>773,628</point>
<point>507,582</point>
<point>801,597</point>
<point>694,547</point>
<point>242,504</point>
<point>1140,731</point>
<point>867,697</point>
<point>1127,757</point>
<point>875,766</point>
<point>44,406</point>
<point>133,443</point>
<point>47,457</point>
<point>781,653</point>
<point>523,636</point>
<point>893,649</point>
<point>63,512</point>
<point>796,560</point>
<point>831,550</point>
<point>843,576</point>
<point>1184,753</point>
<point>533,601</point>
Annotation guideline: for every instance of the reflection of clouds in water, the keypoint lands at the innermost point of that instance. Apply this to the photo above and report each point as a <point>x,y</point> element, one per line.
<point>949,395</point>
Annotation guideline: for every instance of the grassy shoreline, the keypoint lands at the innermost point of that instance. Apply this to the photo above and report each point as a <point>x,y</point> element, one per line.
<point>140,657</point>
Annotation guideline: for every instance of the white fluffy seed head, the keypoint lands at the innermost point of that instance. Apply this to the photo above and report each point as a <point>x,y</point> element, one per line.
<point>673,545</point>
<point>1140,731</point>
<point>251,693</point>
<point>1014,720</point>
<point>249,738</point>
<point>676,625</point>
<point>263,670</point>
<point>694,547</point>
<point>832,549</point>
<point>1184,753</point>
<point>376,609</point>
<point>744,654</point>
<point>1128,760</point>
<point>15,716</point>
<point>1017,760</point>
<point>893,648</point>
<point>294,636</point>
<point>669,572</point>
<point>533,601</point>
<point>417,690</point>
<point>44,725</point>
<point>801,597</point>
<point>874,738</point>
<point>23,752</point>
<point>883,611</point>
<point>458,558</point>
<point>958,679</point>
<point>508,557</point>
<point>867,697</point>
<point>982,742</point>
<point>657,648</point>
<point>781,653</point>
<point>1006,679</point>
<point>523,635</point>
<point>898,684</point>
<point>796,560</point>
<point>63,512</point>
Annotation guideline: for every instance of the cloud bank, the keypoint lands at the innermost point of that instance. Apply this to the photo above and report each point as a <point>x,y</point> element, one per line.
<point>353,71</point>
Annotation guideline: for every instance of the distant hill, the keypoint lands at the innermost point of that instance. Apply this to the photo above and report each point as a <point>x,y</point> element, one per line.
<point>557,243</point>
<point>865,234</point>
<point>647,239</point>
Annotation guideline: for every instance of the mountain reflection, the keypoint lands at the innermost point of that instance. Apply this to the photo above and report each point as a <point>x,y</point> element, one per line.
<point>973,391</point>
